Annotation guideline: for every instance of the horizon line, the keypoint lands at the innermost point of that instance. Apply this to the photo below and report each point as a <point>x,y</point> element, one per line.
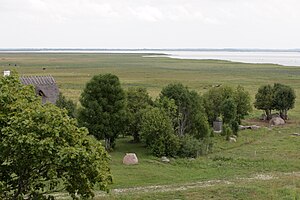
<point>151,49</point>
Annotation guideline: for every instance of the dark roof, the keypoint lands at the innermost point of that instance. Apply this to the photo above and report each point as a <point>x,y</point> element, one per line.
<point>45,86</point>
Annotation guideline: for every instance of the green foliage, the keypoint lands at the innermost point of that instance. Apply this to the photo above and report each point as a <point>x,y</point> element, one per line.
<point>157,133</point>
<point>68,104</point>
<point>213,100</point>
<point>284,99</point>
<point>264,99</point>
<point>243,103</point>
<point>43,150</point>
<point>227,131</point>
<point>228,110</point>
<point>181,95</point>
<point>232,105</point>
<point>103,111</point>
<point>190,147</point>
<point>190,117</point>
<point>137,100</point>
<point>279,97</point>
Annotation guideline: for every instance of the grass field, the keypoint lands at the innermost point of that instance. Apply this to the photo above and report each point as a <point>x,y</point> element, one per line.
<point>262,164</point>
<point>232,167</point>
<point>72,71</point>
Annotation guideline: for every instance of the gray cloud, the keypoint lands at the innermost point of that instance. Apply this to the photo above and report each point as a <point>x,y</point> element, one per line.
<point>150,23</point>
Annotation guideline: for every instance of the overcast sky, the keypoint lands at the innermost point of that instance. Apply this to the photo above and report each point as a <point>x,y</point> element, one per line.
<point>150,23</point>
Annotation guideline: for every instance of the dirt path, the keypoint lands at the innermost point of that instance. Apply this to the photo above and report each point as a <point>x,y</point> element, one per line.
<point>201,184</point>
<point>186,186</point>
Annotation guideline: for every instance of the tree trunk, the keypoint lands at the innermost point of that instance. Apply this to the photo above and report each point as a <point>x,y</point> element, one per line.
<point>283,114</point>
<point>107,144</point>
<point>268,113</point>
<point>136,137</point>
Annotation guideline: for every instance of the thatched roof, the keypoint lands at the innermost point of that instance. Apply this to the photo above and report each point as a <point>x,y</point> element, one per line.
<point>45,86</point>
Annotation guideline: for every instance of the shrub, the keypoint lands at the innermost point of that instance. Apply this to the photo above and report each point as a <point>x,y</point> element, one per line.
<point>157,132</point>
<point>190,147</point>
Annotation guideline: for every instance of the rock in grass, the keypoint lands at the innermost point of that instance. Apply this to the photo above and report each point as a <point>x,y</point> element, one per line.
<point>296,134</point>
<point>232,139</point>
<point>255,127</point>
<point>165,159</point>
<point>130,159</point>
<point>277,121</point>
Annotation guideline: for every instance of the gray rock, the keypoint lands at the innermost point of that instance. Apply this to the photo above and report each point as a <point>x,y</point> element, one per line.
<point>130,159</point>
<point>218,132</point>
<point>255,127</point>
<point>295,134</point>
<point>232,139</point>
<point>165,159</point>
<point>252,127</point>
<point>276,121</point>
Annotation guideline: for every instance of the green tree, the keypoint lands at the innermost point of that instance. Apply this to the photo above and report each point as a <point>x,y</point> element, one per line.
<point>180,94</point>
<point>191,117</point>
<point>43,150</point>
<point>103,111</point>
<point>158,134</point>
<point>243,103</point>
<point>264,99</point>
<point>68,104</point>
<point>137,100</point>
<point>228,110</point>
<point>213,100</point>
<point>284,99</point>
<point>200,128</point>
<point>169,106</point>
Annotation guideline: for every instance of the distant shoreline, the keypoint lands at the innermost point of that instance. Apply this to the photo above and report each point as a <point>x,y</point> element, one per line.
<point>284,57</point>
<point>142,50</point>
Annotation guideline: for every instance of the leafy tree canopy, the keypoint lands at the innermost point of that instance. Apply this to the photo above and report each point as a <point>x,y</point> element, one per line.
<point>264,99</point>
<point>43,150</point>
<point>69,105</point>
<point>191,117</point>
<point>278,97</point>
<point>137,100</point>
<point>158,134</point>
<point>216,100</point>
<point>284,99</point>
<point>103,112</point>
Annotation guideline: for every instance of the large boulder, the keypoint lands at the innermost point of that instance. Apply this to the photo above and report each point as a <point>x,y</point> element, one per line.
<point>130,159</point>
<point>276,121</point>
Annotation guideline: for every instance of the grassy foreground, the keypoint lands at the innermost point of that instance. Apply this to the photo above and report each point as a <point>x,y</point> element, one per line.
<point>262,164</point>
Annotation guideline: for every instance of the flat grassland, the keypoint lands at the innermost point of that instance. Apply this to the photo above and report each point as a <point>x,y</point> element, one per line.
<point>262,164</point>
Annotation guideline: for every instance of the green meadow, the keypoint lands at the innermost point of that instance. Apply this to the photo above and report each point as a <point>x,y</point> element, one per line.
<point>262,164</point>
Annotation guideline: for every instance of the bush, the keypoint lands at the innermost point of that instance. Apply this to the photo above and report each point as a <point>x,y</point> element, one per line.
<point>190,147</point>
<point>157,133</point>
<point>227,131</point>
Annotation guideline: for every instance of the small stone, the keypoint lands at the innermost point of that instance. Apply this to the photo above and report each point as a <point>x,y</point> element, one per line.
<point>234,136</point>
<point>296,134</point>
<point>232,139</point>
<point>130,159</point>
<point>255,127</point>
<point>165,159</point>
